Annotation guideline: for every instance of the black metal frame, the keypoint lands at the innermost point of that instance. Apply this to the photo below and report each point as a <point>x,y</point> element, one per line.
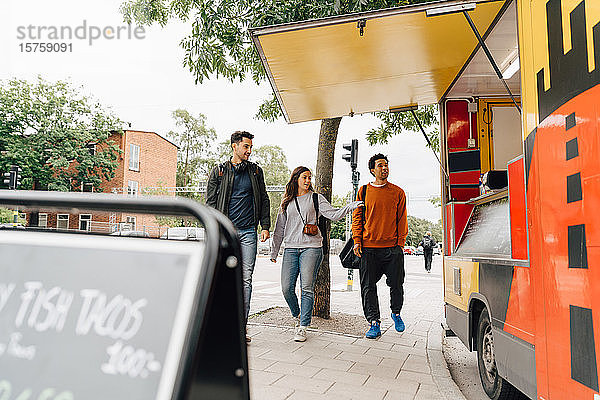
<point>215,360</point>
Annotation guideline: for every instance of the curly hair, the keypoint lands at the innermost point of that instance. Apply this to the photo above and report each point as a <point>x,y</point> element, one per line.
<point>376,157</point>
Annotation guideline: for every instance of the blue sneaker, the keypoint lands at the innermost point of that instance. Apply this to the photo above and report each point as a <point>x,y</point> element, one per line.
<point>398,323</point>
<point>374,331</point>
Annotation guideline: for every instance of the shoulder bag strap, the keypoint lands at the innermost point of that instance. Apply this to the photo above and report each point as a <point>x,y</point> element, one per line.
<point>298,208</point>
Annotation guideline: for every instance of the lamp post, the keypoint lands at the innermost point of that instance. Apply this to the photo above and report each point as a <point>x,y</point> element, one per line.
<point>13,180</point>
<point>352,158</point>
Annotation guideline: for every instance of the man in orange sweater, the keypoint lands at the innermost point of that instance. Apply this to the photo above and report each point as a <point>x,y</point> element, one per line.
<point>379,241</point>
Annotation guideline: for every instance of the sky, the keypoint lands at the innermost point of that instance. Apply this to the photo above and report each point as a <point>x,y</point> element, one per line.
<point>142,79</point>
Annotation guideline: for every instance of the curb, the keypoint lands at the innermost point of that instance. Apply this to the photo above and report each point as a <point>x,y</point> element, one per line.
<point>437,363</point>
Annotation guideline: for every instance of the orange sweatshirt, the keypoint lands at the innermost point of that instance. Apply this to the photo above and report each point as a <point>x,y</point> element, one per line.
<point>385,214</point>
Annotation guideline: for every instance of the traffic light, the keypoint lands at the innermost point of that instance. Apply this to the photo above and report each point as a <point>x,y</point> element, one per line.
<point>13,178</point>
<point>352,158</point>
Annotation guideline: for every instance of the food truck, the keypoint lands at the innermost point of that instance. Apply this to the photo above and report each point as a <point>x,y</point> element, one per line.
<point>517,83</point>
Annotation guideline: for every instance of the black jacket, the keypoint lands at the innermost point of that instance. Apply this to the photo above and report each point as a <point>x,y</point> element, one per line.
<point>220,184</point>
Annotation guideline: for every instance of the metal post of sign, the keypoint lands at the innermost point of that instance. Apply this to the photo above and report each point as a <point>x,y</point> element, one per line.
<point>355,180</point>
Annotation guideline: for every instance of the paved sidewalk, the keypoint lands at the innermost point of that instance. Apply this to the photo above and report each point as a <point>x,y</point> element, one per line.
<point>407,365</point>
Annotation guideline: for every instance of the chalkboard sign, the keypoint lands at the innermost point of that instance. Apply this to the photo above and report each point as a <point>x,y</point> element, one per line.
<point>488,232</point>
<point>93,317</point>
<point>84,316</point>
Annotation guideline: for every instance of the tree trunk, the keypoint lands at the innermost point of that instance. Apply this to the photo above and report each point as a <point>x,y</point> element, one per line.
<point>323,178</point>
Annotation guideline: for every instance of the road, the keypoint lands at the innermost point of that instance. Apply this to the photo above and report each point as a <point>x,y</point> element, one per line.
<point>267,291</point>
<point>463,367</point>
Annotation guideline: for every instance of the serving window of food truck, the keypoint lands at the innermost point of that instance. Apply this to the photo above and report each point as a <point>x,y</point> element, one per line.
<point>516,83</point>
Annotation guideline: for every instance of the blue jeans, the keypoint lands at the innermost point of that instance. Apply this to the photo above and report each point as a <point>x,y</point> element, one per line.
<point>304,262</point>
<point>248,240</point>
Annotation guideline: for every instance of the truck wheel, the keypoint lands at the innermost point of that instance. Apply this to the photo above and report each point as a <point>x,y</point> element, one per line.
<point>496,387</point>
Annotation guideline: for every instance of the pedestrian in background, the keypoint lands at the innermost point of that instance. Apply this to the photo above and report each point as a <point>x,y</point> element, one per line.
<point>297,226</point>
<point>428,243</point>
<point>237,189</point>
<point>379,241</point>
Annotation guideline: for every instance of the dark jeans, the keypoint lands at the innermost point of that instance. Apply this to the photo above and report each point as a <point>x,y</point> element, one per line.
<point>375,262</point>
<point>428,256</point>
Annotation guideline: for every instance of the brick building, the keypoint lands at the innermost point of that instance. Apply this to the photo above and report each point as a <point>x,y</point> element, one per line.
<point>147,160</point>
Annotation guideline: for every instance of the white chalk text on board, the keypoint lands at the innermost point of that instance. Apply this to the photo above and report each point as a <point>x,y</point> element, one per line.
<point>6,393</point>
<point>48,309</point>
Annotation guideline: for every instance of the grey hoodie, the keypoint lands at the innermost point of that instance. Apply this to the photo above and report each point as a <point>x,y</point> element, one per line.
<point>289,225</point>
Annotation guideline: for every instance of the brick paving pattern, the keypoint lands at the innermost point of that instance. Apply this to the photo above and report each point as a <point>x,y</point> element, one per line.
<point>407,365</point>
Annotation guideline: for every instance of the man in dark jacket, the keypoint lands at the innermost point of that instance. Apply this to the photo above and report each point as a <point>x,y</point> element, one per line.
<point>237,189</point>
<point>428,243</point>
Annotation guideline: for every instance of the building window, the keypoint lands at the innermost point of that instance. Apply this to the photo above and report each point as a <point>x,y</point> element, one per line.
<point>131,222</point>
<point>134,157</point>
<point>43,220</point>
<point>85,222</point>
<point>87,187</point>
<point>132,188</point>
<point>62,221</point>
<point>91,148</point>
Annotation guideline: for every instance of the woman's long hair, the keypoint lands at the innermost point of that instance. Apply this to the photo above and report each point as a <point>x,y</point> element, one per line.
<point>291,188</point>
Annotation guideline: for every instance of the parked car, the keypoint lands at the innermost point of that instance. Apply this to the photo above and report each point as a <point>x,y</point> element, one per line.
<point>10,225</point>
<point>131,233</point>
<point>419,251</point>
<point>437,250</point>
<point>184,233</point>
<point>409,250</point>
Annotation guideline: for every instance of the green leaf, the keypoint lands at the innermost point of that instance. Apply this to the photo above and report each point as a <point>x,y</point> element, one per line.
<point>45,128</point>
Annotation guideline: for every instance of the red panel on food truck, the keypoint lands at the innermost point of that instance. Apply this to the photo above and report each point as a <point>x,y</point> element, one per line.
<point>457,128</point>
<point>462,213</point>
<point>518,218</point>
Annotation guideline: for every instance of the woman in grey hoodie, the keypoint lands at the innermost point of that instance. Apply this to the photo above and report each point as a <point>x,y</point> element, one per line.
<point>303,252</point>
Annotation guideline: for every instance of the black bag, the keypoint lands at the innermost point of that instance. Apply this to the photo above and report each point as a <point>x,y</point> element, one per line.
<point>322,223</point>
<point>347,256</point>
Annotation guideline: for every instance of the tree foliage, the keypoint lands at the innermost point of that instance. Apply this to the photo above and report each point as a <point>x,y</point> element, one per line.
<point>436,201</point>
<point>220,44</point>
<point>338,228</point>
<point>50,130</point>
<point>273,161</point>
<point>417,228</point>
<point>195,140</point>
<point>393,123</point>
<point>8,216</point>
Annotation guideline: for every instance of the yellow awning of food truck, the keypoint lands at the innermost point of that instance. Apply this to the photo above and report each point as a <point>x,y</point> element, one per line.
<point>326,68</point>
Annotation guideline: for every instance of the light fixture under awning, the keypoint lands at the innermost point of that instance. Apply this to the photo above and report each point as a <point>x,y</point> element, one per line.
<point>325,68</point>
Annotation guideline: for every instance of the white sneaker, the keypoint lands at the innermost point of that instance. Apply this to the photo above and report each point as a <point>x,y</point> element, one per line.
<point>300,335</point>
